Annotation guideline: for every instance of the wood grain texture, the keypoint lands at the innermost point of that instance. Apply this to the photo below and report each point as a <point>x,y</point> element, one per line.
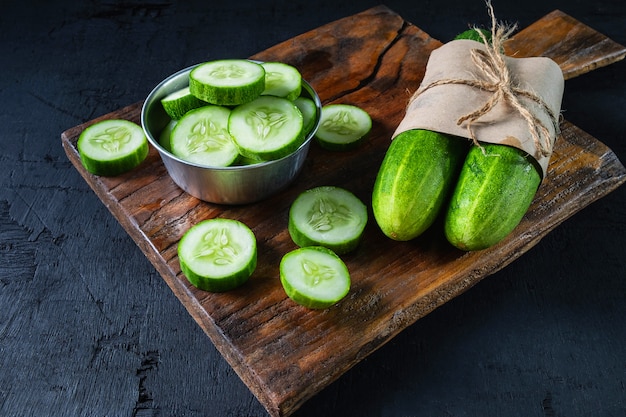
<point>285,353</point>
<point>580,48</point>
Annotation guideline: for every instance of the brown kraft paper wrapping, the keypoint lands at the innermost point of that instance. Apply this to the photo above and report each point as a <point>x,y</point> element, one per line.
<point>440,107</point>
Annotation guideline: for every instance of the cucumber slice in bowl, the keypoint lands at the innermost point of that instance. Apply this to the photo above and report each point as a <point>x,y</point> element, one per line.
<point>218,255</point>
<point>314,277</point>
<point>179,102</point>
<point>282,80</point>
<point>343,127</point>
<point>308,109</point>
<point>267,128</point>
<point>112,147</point>
<point>227,82</point>
<point>327,216</point>
<point>202,137</point>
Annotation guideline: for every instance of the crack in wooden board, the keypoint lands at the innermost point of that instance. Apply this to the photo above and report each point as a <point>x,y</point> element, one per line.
<point>284,353</point>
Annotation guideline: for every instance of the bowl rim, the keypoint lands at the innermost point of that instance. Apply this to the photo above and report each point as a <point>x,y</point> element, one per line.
<point>153,97</point>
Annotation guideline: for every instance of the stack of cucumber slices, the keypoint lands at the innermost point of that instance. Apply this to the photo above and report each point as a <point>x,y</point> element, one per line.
<point>237,111</point>
<point>325,222</point>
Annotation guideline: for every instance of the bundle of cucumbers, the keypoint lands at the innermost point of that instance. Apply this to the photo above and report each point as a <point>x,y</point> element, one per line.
<point>482,191</point>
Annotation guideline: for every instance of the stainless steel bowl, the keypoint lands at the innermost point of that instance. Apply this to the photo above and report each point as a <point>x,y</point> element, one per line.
<point>223,185</point>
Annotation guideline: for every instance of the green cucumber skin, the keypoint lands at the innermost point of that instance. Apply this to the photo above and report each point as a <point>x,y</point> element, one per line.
<point>302,240</point>
<point>116,167</point>
<point>334,197</point>
<point>294,294</point>
<point>217,284</point>
<point>493,193</point>
<point>414,181</point>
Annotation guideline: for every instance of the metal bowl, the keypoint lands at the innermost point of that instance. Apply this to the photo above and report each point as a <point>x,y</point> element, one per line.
<point>223,185</point>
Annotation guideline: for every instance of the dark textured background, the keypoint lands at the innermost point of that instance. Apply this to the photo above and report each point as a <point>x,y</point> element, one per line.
<point>88,328</point>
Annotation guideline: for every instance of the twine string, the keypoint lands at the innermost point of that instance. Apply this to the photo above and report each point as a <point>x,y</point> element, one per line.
<point>497,80</point>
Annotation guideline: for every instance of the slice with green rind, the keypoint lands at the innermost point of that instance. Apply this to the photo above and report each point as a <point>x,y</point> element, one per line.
<point>218,254</point>
<point>166,134</point>
<point>314,277</point>
<point>282,80</point>
<point>112,147</point>
<point>227,82</point>
<point>309,111</point>
<point>327,216</point>
<point>343,127</point>
<point>201,136</point>
<point>179,102</point>
<point>266,128</point>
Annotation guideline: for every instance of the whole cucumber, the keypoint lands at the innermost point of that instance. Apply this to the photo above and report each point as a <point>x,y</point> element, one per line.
<point>494,190</point>
<point>415,178</point>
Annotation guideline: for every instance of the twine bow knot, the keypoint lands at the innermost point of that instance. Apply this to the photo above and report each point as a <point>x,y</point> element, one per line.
<point>498,81</point>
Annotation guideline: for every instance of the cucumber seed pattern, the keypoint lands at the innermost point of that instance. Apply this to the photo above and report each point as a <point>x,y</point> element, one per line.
<point>342,123</point>
<point>206,136</point>
<point>327,214</point>
<point>112,139</point>
<point>217,247</point>
<point>315,273</point>
<point>228,71</point>
<point>264,121</point>
<point>273,79</point>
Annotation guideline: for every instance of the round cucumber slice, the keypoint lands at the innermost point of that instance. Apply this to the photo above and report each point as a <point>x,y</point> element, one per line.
<point>218,254</point>
<point>308,109</point>
<point>343,127</point>
<point>180,102</point>
<point>166,134</point>
<point>327,216</point>
<point>227,82</point>
<point>266,128</point>
<point>282,80</point>
<point>112,147</point>
<point>314,277</point>
<point>202,137</point>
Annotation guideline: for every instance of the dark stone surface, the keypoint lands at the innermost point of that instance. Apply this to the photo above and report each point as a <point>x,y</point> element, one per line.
<point>87,326</point>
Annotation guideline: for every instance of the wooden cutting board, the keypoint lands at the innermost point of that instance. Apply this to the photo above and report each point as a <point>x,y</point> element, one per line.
<point>286,353</point>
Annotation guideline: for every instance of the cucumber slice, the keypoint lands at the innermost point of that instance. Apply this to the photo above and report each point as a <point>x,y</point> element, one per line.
<point>266,128</point>
<point>227,82</point>
<point>282,80</point>
<point>327,216</point>
<point>343,127</point>
<point>166,134</point>
<point>112,147</point>
<point>202,137</point>
<point>218,254</point>
<point>180,102</point>
<point>314,277</point>
<point>308,109</point>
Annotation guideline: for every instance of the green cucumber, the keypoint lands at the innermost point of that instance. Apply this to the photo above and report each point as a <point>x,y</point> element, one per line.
<point>201,136</point>
<point>282,80</point>
<point>309,112</point>
<point>414,181</point>
<point>472,34</point>
<point>314,277</point>
<point>112,147</point>
<point>218,255</point>
<point>327,216</point>
<point>179,102</point>
<point>496,186</point>
<point>227,82</point>
<point>342,127</point>
<point>266,128</point>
